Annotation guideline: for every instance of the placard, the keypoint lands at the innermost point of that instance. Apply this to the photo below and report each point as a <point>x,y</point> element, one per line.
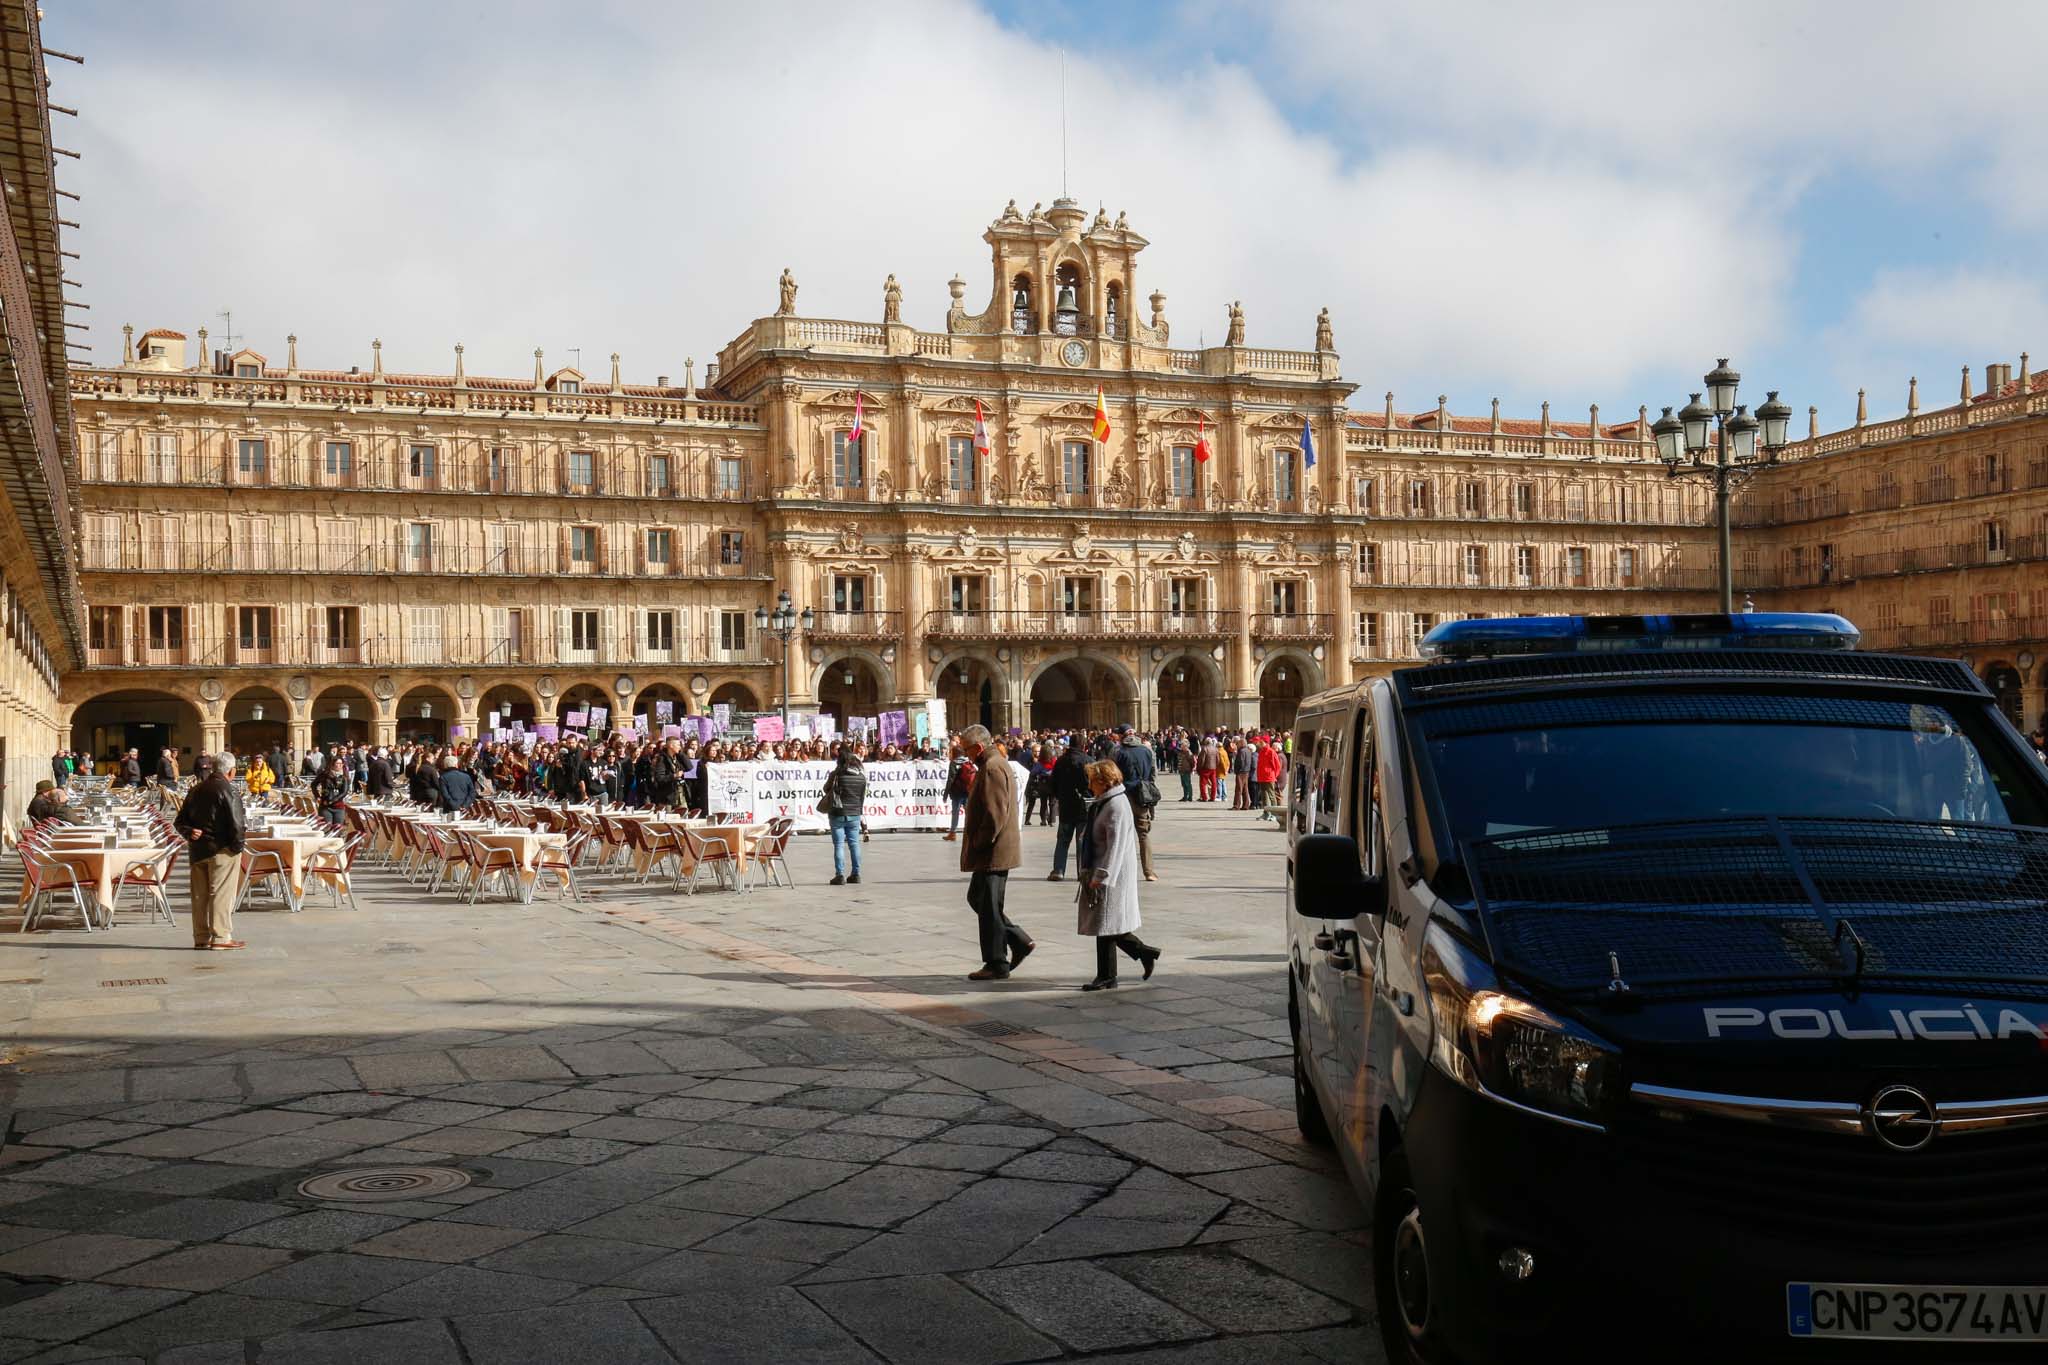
<point>577,720</point>
<point>768,729</point>
<point>899,795</point>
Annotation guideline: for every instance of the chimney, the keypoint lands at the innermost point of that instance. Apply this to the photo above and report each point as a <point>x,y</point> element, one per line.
<point>710,374</point>
<point>1996,376</point>
<point>661,381</point>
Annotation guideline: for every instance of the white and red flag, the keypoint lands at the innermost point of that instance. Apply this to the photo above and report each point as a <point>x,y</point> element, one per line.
<point>980,429</point>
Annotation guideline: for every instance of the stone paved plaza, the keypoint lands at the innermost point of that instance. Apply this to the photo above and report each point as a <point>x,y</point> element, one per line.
<point>780,1126</point>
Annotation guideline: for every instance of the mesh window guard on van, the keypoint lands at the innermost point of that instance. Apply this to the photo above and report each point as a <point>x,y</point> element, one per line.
<point>1673,907</point>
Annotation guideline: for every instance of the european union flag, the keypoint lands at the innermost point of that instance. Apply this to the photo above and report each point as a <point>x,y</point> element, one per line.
<point>1308,446</point>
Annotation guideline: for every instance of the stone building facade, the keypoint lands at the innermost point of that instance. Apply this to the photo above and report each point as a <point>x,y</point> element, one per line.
<point>275,554</point>
<point>1929,531</point>
<point>39,597</point>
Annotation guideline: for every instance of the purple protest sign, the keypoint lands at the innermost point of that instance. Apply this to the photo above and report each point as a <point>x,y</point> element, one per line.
<point>546,732</point>
<point>895,727</point>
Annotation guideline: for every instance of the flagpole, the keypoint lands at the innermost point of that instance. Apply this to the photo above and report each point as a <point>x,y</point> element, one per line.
<point>1063,123</point>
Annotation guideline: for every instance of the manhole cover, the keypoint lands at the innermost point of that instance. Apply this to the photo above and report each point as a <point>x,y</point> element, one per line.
<point>384,1182</point>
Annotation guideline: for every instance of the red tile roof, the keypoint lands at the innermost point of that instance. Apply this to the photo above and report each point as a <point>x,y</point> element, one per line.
<point>163,332</point>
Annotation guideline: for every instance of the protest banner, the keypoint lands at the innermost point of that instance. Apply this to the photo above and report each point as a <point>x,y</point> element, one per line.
<point>768,729</point>
<point>900,795</point>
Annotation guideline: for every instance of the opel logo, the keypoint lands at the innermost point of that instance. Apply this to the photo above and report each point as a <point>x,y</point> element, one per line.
<point>1902,1118</point>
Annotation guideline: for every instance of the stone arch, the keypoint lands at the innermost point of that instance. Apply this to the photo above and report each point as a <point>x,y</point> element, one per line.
<point>425,712</point>
<point>982,697</point>
<point>512,701</point>
<point>870,691</point>
<point>2008,690</point>
<point>1083,689</point>
<point>581,695</point>
<point>740,696</point>
<point>108,723</point>
<point>1285,677</point>
<point>248,732</point>
<point>331,726</point>
<point>644,700</point>
<point>1190,689</point>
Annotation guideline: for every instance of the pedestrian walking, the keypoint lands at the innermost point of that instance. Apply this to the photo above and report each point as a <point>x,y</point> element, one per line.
<point>1108,898</point>
<point>1135,761</point>
<point>842,801</point>
<point>1070,793</point>
<point>458,785</point>
<point>212,822</point>
<point>960,774</point>
<point>1184,761</point>
<point>131,770</point>
<point>990,845</point>
<point>1209,764</point>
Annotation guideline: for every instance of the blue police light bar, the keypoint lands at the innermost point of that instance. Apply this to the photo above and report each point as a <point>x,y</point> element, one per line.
<point>1502,636</point>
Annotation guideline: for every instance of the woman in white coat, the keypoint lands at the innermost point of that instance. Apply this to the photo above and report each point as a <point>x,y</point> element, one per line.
<point>1109,877</point>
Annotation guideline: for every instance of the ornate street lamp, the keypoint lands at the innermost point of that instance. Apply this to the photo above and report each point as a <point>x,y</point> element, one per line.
<point>256,711</point>
<point>1727,432</point>
<point>783,623</point>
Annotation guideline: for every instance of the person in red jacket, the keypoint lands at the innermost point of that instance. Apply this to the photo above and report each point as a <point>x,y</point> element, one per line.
<point>1267,769</point>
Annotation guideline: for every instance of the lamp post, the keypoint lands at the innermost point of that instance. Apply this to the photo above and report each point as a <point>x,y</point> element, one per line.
<point>1733,443</point>
<point>783,623</point>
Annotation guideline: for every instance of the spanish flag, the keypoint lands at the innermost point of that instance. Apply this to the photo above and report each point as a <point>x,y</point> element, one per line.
<point>1101,417</point>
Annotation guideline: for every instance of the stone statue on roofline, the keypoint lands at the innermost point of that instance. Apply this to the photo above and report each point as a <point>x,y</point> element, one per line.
<point>787,287</point>
<point>1326,340</point>
<point>892,301</point>
<point>1235,336</point>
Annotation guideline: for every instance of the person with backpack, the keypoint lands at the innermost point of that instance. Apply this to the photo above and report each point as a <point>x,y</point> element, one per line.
<point>842,801</point>
<point>1141,779</point>
<point>960,774</point>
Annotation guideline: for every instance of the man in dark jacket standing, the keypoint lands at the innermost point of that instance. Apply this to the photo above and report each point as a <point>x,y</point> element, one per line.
<point>458,787</point>
<point>131,770</point>
<point>167,767</point>
<point>572,772</point>
<point>378,783</point>
<point>211,821</point>
<point>990,845</point>
<point>1136,761</point>
<point>1070,791</point>
<point>280,765</point>
<point>664,774</point>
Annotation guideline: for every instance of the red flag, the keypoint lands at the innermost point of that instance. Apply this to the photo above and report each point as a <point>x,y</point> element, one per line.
<point>1202,442</point>
<point>980,429</point>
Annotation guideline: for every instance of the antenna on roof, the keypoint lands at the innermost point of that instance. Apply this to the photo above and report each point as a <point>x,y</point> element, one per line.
<point>227,318</point>
<point>576,359</point>
<point>1063,123</point>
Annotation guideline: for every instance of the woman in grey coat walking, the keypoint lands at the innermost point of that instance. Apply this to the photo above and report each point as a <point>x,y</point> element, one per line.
<point>1110,875</point>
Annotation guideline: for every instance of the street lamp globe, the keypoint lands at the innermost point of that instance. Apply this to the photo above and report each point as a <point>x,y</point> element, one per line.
<point>807,618</point>
<point>1697,417</point>
<point>1776,415</point>
<point>761,619</point>
<point>1669,432</point>
<point>1721,382</point>
<point>1742,436</point>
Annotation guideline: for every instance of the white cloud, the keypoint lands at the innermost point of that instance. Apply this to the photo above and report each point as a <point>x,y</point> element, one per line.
<point>1930,323</point>
<point>1759,94</point>
<point>635,180</point>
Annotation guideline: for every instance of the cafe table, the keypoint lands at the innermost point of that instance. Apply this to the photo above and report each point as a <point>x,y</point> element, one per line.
<point>98,866</point>
<point>297,848</point>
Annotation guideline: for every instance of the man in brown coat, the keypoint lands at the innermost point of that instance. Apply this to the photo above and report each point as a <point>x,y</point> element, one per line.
<point>990,845</point>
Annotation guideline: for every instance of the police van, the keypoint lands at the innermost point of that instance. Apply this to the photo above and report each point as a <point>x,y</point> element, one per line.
<point>1675,985</point>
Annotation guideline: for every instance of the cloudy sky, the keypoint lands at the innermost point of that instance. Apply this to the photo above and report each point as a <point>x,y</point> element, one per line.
<point>1582,202</point>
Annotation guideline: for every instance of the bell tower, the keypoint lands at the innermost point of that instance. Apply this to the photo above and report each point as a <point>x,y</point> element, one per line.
<point>1056,276</point>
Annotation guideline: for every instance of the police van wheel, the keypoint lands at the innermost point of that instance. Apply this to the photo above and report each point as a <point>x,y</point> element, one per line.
<point>1400,1264</point>
<point>1308,1110</point>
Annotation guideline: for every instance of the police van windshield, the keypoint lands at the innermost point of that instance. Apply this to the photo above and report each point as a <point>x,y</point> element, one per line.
<point>1586,763</point>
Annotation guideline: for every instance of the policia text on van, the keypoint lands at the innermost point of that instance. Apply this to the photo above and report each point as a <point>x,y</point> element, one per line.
<point>1676,985</point>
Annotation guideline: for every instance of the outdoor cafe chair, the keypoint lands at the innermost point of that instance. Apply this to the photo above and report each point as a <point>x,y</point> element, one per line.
<point>262,867</point>
<point>769,864</point>
<point>47,879</point>
<point>482,861</point>
<point>154,877</point>
<point>341,864</point>
<point>714,854</point>
<point>662,844</point>
<point>441,854</point>
<point>562,861</point>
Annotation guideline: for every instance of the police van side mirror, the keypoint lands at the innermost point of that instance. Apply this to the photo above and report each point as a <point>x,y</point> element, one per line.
<point>1328,881</point>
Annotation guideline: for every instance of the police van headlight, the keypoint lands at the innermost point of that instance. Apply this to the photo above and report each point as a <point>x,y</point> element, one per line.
<point>1506,1048</point>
